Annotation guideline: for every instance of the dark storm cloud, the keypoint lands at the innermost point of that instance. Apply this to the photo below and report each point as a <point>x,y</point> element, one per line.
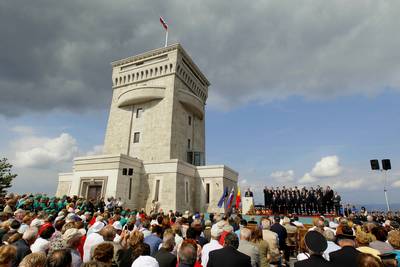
<point>56,54</point>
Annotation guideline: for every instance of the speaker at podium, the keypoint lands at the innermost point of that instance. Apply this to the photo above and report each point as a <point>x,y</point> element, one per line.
<point>247,204</point>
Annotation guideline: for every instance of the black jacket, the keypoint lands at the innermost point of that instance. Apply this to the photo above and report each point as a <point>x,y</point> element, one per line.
<point>228,257</point>
<point>282,234</point>
<point>346,256</point>
<point>22,250</point>
<point>314,261</point>
<point>165,258</point>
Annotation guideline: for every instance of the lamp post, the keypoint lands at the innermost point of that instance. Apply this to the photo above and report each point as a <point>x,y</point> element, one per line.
<point>385,167</point>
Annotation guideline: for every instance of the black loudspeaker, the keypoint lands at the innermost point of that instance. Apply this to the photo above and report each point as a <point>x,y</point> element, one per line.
<point>130,172</point>
<point>124,171</point>
<point>374,164</point>
<point>386,164</point>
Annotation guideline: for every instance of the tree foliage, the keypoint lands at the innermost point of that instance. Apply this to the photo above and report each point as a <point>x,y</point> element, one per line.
<point>6,176</point>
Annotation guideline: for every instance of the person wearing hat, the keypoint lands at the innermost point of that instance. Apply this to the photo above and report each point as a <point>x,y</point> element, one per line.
<point>216,232</point>
<point>347,255</point>
<point>72,238</point>
<point>315,244</point>
<point>93,238</point>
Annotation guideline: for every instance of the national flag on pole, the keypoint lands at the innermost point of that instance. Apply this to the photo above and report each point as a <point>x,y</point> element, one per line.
<point>224,195</point>
<point>238,198</point>
<point>230,199</point>
<point>164,24</point>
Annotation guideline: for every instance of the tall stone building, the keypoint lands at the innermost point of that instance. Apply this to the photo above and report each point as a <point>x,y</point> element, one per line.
<point>154,147</point>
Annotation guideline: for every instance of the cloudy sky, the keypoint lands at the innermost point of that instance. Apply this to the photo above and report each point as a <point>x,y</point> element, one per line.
<point>303,92</point>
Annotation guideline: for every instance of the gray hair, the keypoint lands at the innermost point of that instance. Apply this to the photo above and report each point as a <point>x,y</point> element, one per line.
<point>329,235</point>
<point>245,234</point>
<point>30,234</point>
<point>187,254</point>
<point>169,241</point>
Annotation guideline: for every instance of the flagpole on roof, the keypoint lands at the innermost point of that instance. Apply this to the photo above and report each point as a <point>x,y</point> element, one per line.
<point>165,25</point>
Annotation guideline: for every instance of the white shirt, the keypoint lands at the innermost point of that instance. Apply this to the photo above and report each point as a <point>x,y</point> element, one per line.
<point>207,248</point>
<point>331,247</point>
<point>302,256</point>
<point>145,232</point>
<point>40,245</point>
<point>91,241</point>
<point>298,224</point>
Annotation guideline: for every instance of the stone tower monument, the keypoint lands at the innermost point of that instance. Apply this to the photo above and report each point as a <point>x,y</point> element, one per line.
<point>157,112</point>
<point>154,149</point>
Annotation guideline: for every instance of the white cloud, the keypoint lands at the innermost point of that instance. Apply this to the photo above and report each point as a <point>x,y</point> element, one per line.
<point>43,152</point>
<point>283,176</point>
<point>327,167</point>
<point>23,130</point>
<point>96,150</point>
<point>308,179</point>
<point>344,183</point>
<point>243,182</point>
<point>396,184</point>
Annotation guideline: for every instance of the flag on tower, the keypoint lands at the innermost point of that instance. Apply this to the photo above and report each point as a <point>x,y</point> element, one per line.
<point>164,24</point>
<point>238,198</point>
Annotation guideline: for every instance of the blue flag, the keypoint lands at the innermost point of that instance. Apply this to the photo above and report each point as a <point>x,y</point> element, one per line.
<point>224,195</point>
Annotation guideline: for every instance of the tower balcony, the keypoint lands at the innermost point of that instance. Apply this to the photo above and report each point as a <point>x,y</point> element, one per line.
<point>192,103</point>
<point>140,95</point>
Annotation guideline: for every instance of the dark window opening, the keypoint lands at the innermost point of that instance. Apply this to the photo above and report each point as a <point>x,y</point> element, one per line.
<point>157,192</point>
<point>136,137</point>
<point>207,193</point>
<point>130,188</point>
<point>139,112</point>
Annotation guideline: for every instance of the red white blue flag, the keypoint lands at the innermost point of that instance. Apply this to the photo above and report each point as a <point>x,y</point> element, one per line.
<point>164,24</point>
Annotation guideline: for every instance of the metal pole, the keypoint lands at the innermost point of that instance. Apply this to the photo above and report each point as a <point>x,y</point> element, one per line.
<point>385,191</point>
<point>166,38</point>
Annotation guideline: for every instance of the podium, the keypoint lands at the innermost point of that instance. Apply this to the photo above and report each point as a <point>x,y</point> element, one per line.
<point>247,204</point>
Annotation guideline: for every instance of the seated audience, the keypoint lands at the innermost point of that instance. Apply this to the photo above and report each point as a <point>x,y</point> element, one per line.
<point>347,255</point>
<point>315,244</point>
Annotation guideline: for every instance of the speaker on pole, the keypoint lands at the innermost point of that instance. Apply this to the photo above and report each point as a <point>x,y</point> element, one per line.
<point>386,164</point>
<point>130,172</point>
<point>124,171</point>
<point>375,164</point>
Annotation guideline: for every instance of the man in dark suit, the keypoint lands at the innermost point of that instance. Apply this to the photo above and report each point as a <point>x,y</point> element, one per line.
<point>316,245</point>
<point>229,256</point>
<point>164,256</point>
<point>248,193</point>
<point>282,235</point>
<point>347,255</point>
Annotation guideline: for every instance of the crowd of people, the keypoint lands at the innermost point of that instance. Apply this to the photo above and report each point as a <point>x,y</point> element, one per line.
<point>36,230</point>
<point>302,201</point>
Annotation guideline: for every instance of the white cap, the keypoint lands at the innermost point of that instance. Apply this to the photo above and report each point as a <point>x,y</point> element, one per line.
<point>96,227</point>
<point>117,225</point>
<point>145,261</point>
<point>71,233</point>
